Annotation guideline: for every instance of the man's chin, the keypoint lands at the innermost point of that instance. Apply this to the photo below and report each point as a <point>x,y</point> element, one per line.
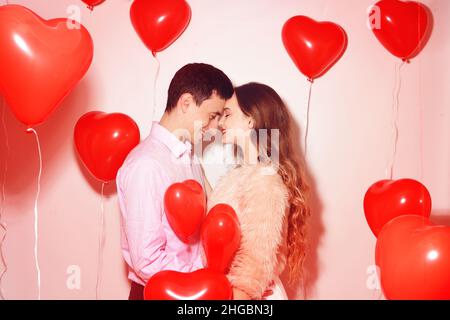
<point>209,135</point>
<point>226,139</point>
<point>210,132</point>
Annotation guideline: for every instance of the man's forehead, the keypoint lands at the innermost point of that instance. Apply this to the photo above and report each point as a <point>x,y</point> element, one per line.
<point>215,104</point>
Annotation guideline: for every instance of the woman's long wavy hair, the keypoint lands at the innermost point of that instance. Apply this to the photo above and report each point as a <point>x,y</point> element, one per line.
<point>269,112</point>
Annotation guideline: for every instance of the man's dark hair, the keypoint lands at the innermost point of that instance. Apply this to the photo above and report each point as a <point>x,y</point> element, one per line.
<point>200,80</point>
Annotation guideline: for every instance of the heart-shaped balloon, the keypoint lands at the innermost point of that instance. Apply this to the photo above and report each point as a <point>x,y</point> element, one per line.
<point>203,284</point>
<point>387,199</point>
<point>314,46</point>
<point>185,206</point>
<point>221,236</point>
<point>414,259</point>
<point>93,3</point>
<point>159,22</point>
<point>103,141</point>
<point>40,61</point>
<point>402,27</point>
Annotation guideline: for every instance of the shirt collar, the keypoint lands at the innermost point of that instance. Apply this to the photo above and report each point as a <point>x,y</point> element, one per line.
<point>175,145</point>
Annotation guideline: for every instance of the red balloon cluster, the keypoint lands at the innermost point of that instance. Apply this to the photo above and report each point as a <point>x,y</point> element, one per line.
<point>103,141</point>
<point>159,23</point>
<point>185,205</point>
<point>412,253</point>
<point>402,27</point>
<point>41,61</point>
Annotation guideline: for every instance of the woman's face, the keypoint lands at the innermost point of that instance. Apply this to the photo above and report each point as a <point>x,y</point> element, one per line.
<point>234,124</point>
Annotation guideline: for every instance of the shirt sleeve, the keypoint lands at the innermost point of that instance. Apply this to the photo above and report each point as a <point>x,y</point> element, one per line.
<point>143,202</point>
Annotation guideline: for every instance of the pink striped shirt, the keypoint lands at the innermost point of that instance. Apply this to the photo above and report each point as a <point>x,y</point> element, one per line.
<point>149,244</point>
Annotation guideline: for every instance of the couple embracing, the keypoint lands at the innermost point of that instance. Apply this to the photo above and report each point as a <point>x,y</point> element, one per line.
<point>266,187</point>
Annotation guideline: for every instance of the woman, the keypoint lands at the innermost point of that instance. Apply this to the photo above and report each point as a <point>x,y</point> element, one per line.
<point>267,190</point>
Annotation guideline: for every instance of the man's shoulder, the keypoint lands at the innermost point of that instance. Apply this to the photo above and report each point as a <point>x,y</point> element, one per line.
<point>147,155</point>
<point>148,150</point>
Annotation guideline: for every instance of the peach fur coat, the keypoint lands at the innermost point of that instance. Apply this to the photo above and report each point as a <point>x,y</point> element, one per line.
<point>260,198</point>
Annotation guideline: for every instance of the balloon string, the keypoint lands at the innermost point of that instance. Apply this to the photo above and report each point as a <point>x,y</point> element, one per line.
<point>36,215</point>
<point>395,114</point>
<point>3,224</point>
<point>101,243</point>
<point>421,141</point>
<point>307,118</point>
<point>389,174</point>
<point>380,297</point>
<point>158,67</point>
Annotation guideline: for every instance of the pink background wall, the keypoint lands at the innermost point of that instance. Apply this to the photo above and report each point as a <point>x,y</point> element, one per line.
<point>349,138</point>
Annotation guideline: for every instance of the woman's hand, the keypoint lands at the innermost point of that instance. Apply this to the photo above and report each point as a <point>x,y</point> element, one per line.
<point>240,295</point>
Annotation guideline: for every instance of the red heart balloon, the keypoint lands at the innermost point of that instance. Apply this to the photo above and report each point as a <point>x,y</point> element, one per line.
<point>404,26</point>
<point>387,199</point>
<point>314,46</point>
<point>203,284</point>
<point>103,142</point>
<point>221,237</point>
<point>93,3</point>
<point>185,205</point>
<point>40,61</point>
<point>414,259</point>
<point>159,23</point>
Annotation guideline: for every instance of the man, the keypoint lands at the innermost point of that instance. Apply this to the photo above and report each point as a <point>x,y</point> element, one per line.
<point>196,99</point>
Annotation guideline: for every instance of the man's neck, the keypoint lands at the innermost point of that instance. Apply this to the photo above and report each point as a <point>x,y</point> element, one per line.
<point>174,126</point>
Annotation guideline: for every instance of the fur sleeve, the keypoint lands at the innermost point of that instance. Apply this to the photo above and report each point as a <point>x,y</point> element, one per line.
<point>264,200</point>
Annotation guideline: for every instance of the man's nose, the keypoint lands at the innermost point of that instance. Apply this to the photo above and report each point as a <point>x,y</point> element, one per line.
<point>213,124</point>
<point>220,123</point>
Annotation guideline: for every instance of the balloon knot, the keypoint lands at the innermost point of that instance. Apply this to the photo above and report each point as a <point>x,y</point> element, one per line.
<point>311,80</point>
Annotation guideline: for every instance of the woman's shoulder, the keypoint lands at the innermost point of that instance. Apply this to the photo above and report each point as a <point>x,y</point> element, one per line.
<point>265,172</point>
<point>253,178</point>
<point>262,180</point>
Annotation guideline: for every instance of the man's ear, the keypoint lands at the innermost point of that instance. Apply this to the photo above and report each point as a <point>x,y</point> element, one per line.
<point>185,101</point>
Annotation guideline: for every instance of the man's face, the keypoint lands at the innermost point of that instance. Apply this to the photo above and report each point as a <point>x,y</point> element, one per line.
<point>205,116</point>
